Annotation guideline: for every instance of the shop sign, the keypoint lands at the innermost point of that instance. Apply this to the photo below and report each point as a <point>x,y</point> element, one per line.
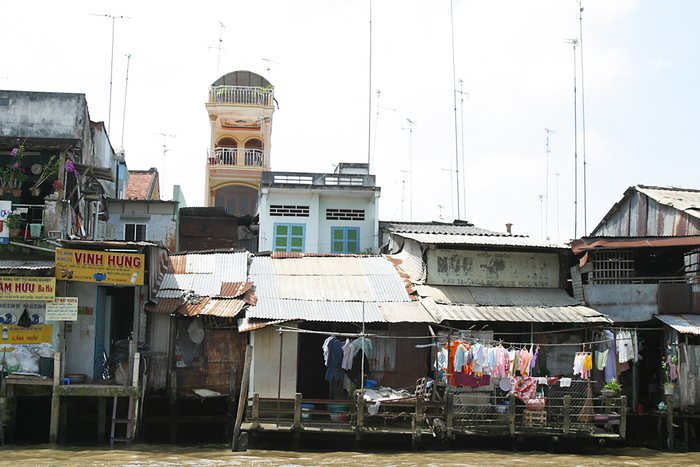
<point>18,335</point>
<point>27,288</point>
<point>62,309</point>
<point>493,269</point>
<point>100,266</point>
<point>5,210</point>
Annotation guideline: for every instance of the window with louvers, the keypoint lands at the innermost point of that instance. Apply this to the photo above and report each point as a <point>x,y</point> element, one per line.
<point>289,210</point>
<point>345,214</point>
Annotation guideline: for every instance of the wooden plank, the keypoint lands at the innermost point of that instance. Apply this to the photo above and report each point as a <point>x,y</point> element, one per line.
<point>243,397</point>
<point>255,415</point>
<point>567,414</point>
<point>297,411</point>
<point>623,417</point>
<point>669,422</point>
<point>511,414</point>
<point>55,415</point>
<point>101,419</point>
<point>450,414</point>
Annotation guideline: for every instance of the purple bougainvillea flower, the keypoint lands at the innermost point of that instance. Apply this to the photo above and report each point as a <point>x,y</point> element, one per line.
<point>15,166</point>
<point>70,167</point>
<point>14,152</point>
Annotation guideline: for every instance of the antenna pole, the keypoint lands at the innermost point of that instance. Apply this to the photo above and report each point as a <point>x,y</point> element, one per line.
<point>454,99</point>
<point>369,108</point>
<point>546,182</point>
<point>376,123</point>
<point>574,42</point>
<point>541,197</point>
<point>221,42</point>
<point>558,236</point>
<point>410,168</point>
<point>126,87</point>
<point>583,119</point>
<point>464,157</point>
<point>403,190</point>
<point>111,69</point>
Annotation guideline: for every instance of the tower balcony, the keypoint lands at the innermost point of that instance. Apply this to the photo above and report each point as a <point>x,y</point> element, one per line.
<point>246,95</point>
<point>246,157</point>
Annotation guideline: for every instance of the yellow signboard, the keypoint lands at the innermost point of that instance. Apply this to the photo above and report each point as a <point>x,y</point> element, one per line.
<point>106,267</point>
<point>27,288</point>
<point>34,334</point>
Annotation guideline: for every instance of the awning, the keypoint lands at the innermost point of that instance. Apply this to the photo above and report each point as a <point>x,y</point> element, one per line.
<point>514,314</point>
<point>685,324</point>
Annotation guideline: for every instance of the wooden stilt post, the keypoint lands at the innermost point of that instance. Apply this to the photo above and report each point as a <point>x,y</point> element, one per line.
<point>449,395</point>
<point>55,399</point>
<point>101,419</point>
<point>623,417</point>
<point>669,422</point>
<point>242,397</point>
<point>511,415</point>
<point>567,414</point>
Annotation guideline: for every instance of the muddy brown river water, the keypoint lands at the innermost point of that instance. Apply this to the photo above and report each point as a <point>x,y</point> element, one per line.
<point>150,454</point>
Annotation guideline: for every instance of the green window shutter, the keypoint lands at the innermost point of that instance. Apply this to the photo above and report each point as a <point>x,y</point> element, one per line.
<point>298,230</point>
<point>352,234</point>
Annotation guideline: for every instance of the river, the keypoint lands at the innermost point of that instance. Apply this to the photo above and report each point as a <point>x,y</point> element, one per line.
<point>155,454</point>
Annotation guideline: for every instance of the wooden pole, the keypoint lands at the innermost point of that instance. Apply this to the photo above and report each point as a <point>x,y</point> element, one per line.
<point>242,397</point>
<point>669,422</point>
<point>567,414</point>
<point>623,417</point>
<point>55,399</point>
<point>511,415</point>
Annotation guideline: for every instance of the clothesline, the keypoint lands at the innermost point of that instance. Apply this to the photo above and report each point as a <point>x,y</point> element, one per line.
<point>443,338</point>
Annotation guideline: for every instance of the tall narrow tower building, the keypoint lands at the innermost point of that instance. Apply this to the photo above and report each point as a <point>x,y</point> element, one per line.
<point>240,108</point>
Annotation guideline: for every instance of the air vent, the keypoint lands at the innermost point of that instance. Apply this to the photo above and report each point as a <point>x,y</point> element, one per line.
<point>345,214</point>
<point>289,210</point>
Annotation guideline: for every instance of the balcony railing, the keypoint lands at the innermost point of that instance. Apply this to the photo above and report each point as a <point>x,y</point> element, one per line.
<point>241,95</point>
<point>236,156</point>
<point>319,179</point>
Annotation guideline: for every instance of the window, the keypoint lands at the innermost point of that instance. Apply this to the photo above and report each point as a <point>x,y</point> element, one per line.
<point>345,214</point>
<point>289,237</point>
<point>345,239</point>
<point>134,232</point>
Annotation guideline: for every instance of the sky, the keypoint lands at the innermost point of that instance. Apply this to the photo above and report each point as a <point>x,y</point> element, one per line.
<point>512,63</point>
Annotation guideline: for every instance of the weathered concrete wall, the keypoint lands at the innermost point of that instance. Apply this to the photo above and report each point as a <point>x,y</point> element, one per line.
<point>625,303</point>
<point>159,217</point>
<point>49,115</point>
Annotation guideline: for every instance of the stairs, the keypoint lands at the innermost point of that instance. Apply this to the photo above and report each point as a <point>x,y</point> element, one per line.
<point>125,434</point>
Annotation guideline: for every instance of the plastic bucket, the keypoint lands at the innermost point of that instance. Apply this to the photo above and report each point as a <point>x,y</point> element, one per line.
<point>305,408</point>
<point>46,366</point>
<point>338,412</point>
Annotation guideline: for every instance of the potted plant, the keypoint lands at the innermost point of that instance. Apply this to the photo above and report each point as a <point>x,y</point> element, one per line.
<point>14,173</point>
<point>57,187</point>
<point>14,223</point>
<point>669,385</point>
<point>611,389</point>
<point>48,170</point>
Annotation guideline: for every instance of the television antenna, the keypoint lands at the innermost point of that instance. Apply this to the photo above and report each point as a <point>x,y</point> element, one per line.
<point>574,43</point>
<point>583,118</point>
<point>411,123</point>
<point>165,137</point>
<point>219,46</point>
<point>546,182</point>
<point>454,99</point>
<point>126,87</point>
<point>111,66</point>
<point>462,93</point>
<point>403,190</point>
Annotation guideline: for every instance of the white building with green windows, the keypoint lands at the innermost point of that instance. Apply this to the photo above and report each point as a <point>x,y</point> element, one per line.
<point>320,213</point>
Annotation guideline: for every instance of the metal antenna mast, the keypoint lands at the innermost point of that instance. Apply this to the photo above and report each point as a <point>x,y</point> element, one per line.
<point>111,68</point>
<point>574,43</point>
<point>410,167</point>
<point>403,190</point>
<point>546,182</point>
<point>464,157</point>
<point>219,47</point>
<point>126,87</point>
<point>558,236</point>
<point>583,119</point>
<point>541,197</point>
<point>376,123</point>
<point>369,92</point>
<point>165,150</point>
<point>454,99</point>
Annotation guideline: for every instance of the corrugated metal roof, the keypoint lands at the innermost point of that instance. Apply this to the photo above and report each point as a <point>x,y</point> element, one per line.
<point>505,296</point>
<point>335,278</point>
<point>247,324</point>
<point>436,228</point>
<point>486,240</point>
<point>410,260</point>
<point>524,314</point>
<point>167,305</point>
<point>685,324</point>
<point>7,265</point>
<point>312,310</point>
<point>405,312</point>
<point>234,289</point>
<point>683,199</point>
<point>221,307</point>
<point>204,273</point>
